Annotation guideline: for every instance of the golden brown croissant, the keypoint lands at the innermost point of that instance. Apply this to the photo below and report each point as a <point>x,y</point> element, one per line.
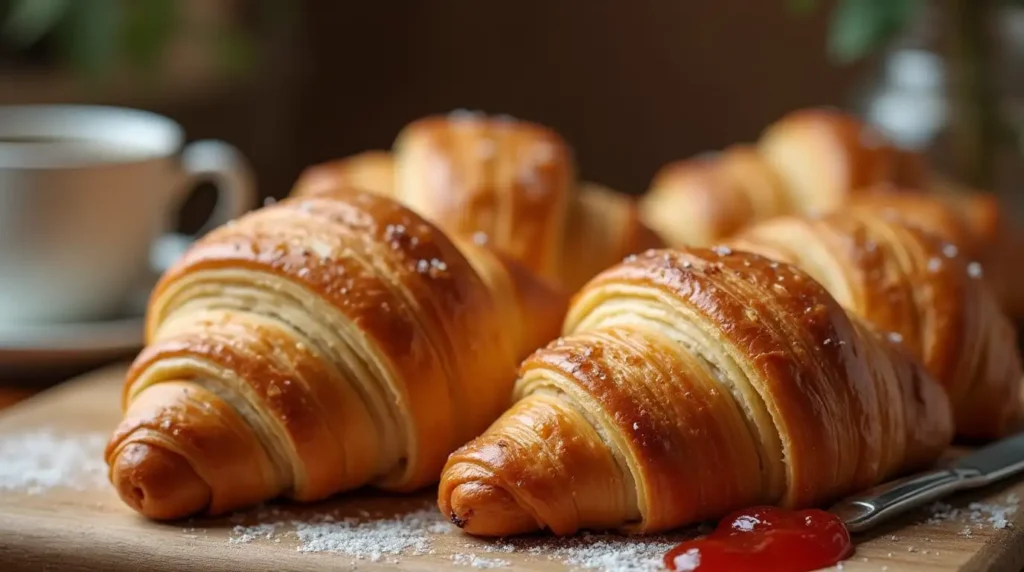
<point>510,184</point>
<point>696,202</point>
<point>815,161</point>
<point>809,161</point>
<point>926,211</point>
<point>921,291</point>
<point>689,383</point>
<point>824,155</point>
<point>500,181</point>
<point>371,171</point>
<point>316,346</point>
<point>971,221</point>
<point>603,227</point>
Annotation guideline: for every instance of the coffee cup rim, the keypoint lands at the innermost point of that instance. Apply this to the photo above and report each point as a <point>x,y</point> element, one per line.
<point>144,134</point>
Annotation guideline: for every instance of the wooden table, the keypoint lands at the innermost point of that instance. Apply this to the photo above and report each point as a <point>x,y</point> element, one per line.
<point>87,528</point>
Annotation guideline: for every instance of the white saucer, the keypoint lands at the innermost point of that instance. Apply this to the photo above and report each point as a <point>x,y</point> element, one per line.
<point>67,344</point>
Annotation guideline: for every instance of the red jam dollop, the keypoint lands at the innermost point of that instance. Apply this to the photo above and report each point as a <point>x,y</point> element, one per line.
<point>767,539</point>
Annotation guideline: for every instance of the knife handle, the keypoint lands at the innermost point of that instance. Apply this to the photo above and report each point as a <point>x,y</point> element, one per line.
<point>864,510</point>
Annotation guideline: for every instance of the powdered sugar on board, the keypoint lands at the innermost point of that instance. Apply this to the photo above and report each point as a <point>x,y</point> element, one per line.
<point>35,461</point>
<point>475,561</point>
<point>601,551</point>
<point>373,539</point>
<point>422,531</point>
<point>976,515</point>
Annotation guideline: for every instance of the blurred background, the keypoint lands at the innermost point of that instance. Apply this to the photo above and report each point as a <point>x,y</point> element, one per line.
<point>631,85</point>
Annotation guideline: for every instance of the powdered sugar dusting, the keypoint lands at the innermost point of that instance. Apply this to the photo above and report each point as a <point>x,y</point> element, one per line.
<point>976,514</point>
<point>373,540</point>
<point>587,551</point>
<point>422,531</point>
<point>245,535</point>
<point>389,539</point>
<point>366,537</point>
<point>610,553</point>
<point>39,460</point>
<point>475,561</point>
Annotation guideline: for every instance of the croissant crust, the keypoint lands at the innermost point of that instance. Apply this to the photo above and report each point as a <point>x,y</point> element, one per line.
<point>689,383</point>
<point>316,346</point>
<point>919,291</point>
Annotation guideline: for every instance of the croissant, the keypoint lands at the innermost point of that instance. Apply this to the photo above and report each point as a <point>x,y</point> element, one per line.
<point>500,181</point>
<point>815,161</point>
<point>922,292</point>
<point>979,210</point>
<point>690,383</point>
<point>507,183</point>
<point>971,221</point>
<point>809,161</point>
<point>603,227</point>
<point>698,201</point>
<point>371,171</point>
<point>825,155</point>
<point>316,346</point>
<point>921,210</point>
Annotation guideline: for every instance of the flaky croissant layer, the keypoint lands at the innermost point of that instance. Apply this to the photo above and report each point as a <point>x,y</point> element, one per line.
<point>972,222</point>
<point>922,292</point>
<point>690,383</point>
<point>317,346</point>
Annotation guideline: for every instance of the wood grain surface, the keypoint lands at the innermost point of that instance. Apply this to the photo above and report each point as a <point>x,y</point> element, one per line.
<point>90,530</point>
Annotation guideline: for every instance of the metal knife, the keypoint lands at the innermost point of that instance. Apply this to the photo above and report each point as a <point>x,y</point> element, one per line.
<point>978,469</point>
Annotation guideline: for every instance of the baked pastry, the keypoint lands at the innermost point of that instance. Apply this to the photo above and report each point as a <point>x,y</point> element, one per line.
<point>815,161</point>
<point>509,184</point>
<point>698,201</point>
<point>689,383</point>
<point>809,161</point>
<point>502,182</point>
<point>372,171</point>
<point>924,293</point>
<point>316,346</point>
<point>971,221</point>
<point>823,155</point>
<point>603,227</point>
<point>921,210</point>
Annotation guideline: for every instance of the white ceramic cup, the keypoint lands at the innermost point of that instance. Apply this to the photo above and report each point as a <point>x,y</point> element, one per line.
<point>87,195</point>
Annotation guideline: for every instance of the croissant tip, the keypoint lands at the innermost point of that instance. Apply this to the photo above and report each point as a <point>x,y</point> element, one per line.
<point>485,510</point>
<point>459,522</point>
<point>158,483</point>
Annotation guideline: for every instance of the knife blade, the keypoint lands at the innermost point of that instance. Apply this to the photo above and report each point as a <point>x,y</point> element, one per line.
<point>980,468</point>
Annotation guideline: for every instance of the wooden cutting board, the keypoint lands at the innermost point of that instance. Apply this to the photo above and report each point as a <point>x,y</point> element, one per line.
<point>48,525</point>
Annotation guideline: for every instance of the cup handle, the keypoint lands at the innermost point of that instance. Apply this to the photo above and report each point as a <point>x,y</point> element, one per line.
<point>224,166</point>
